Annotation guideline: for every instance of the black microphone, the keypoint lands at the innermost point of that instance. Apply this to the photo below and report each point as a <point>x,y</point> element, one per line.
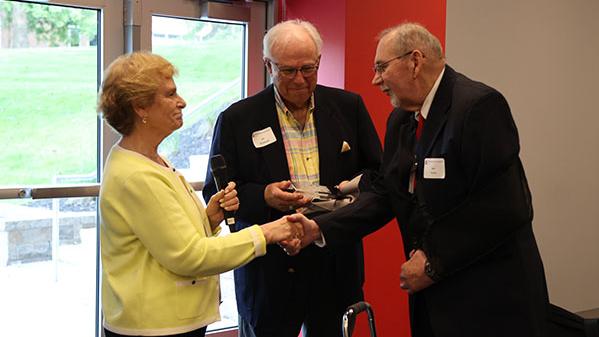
<point>218,167</point>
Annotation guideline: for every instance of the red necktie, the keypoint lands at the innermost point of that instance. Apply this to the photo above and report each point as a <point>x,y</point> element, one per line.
<point>420,126</point>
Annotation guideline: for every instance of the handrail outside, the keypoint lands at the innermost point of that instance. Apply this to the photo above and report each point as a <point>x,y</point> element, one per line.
<point>66,191</point>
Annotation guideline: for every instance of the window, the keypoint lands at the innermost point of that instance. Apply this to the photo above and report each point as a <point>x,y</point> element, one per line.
<point>210,60</point>
<point>50,61</point>
<point>49,80</point>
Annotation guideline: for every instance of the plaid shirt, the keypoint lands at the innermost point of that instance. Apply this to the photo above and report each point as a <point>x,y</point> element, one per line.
<point>301,145</point>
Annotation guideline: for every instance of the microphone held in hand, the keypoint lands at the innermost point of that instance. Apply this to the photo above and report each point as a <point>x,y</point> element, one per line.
<point>218,167</point>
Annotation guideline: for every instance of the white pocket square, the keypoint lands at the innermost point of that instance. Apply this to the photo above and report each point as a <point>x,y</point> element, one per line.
<point>345,147</point>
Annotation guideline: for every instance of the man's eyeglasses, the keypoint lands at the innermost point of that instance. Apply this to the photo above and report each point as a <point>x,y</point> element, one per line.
<point>289,72</point>
<point>380,68</point>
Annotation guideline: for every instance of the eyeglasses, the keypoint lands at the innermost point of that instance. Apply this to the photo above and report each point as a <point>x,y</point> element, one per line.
<point>289,72</point>
<point>380,68</point>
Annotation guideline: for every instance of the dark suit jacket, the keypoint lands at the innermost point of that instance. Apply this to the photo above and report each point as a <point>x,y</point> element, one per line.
<point>474,225</point>
<point>262,285</point>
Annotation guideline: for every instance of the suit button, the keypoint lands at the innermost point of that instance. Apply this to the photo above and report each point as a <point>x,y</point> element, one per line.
<point>193,282</point>
<point>291,270</point>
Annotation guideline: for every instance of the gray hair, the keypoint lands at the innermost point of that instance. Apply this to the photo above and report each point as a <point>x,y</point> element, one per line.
<point>278,31</point>
<point>409,36</point>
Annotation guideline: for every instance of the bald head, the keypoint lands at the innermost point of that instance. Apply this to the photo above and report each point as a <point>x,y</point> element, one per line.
<point>410,36</point>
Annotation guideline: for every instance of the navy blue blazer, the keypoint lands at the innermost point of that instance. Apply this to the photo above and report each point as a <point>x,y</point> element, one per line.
<point>339,116</point>
<point>474,225</point>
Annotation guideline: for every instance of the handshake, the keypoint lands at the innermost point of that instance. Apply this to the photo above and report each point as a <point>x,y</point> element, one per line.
<point>294,232</point>
<point>291,232</point>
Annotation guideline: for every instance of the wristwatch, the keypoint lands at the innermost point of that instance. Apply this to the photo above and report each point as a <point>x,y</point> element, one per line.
<point>430,272</point>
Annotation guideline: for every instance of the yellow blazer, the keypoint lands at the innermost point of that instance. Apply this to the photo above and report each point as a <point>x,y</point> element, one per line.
<point>160,258</point>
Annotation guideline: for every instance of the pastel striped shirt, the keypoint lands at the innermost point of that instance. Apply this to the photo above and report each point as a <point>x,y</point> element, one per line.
<point>301,144</point>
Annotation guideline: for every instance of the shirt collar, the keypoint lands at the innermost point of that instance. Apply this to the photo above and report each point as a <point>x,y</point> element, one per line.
<point>281,104</point>
<point>428,101</point>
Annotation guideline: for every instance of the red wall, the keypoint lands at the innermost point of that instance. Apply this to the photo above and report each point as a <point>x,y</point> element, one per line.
<point>332,30</point>
<point>349,29</point>
<point>364,21</point>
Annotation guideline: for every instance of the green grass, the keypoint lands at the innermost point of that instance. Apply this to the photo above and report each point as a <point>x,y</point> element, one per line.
<point>47,118</point>
<point>48,121</point>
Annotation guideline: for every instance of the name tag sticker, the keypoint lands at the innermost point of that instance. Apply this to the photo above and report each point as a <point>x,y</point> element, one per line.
<point>263,137</point>
<point>434,168</point>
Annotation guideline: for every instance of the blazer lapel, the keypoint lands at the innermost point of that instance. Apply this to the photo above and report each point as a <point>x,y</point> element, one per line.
<point>403,158</point>
<point>329,142</point>
<point>274,154</point>
<point>437,115</point>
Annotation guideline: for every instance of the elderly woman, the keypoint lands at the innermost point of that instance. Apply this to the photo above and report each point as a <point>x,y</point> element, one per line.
<point>161,253</point>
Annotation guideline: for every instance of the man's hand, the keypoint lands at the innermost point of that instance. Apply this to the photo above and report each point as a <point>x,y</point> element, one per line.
<point>276,196</point>
<point>291,247</point>
<point>412,277</point>
<point>311,233</point>
<point>310,229</point>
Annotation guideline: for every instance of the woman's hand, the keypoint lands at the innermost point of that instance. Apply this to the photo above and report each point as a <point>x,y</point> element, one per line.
<point>224,199</point>
<point>282,230</point>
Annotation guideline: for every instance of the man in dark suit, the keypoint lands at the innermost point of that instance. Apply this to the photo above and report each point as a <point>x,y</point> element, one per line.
<point>452,177</point>
<point>294,131</point>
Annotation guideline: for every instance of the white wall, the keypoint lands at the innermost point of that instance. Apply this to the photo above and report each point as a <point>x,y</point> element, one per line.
<point>543,56</point>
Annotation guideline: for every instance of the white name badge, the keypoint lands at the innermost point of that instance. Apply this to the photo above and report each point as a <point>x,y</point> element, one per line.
<point>434,168</point>
<point>263,137</point>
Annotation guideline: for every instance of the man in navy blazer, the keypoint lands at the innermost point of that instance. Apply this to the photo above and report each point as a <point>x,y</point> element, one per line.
<point>278,294</point>
<point>452,177</point>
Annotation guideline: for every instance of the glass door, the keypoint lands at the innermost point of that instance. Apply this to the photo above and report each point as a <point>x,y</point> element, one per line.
<point>50,60</point>
<point>210,59</point>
